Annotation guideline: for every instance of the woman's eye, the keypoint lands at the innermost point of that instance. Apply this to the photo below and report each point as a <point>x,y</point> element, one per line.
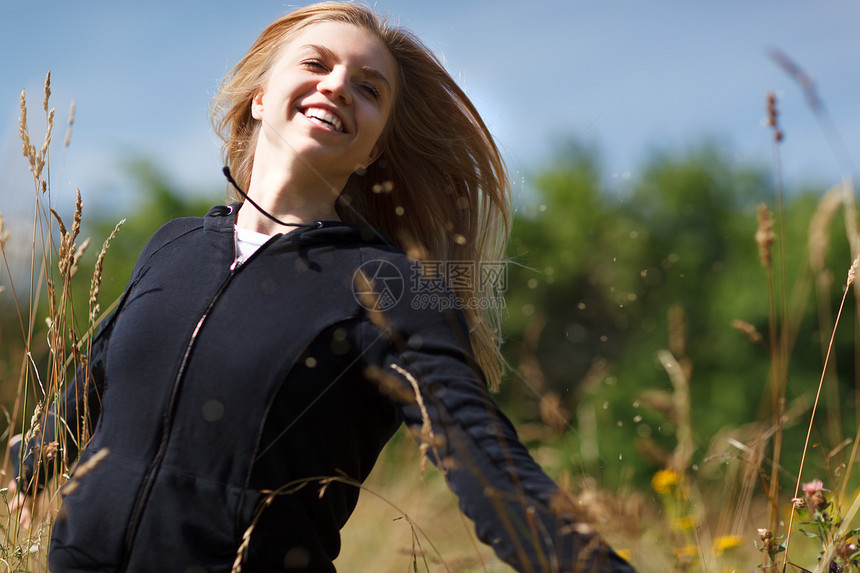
<point>314,64</point>
<point>370,90</point>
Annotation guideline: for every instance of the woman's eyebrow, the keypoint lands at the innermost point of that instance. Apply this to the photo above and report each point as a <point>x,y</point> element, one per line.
<point>374,73</point>
<point>368,70</point>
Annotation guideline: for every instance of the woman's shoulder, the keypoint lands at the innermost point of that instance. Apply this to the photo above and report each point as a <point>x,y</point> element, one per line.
<point>167,234</point>
<point>170,231</point>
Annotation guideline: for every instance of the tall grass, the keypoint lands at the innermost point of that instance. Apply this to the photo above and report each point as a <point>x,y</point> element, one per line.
<point>55,341</point>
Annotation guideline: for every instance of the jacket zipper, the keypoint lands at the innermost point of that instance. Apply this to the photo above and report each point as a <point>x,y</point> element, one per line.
<point>153,469</point>
<point>154,466</point>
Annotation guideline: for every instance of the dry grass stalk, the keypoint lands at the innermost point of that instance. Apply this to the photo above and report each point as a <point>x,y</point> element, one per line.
<point>806,82</point>
<point>37,160</point>
<point>97,274</point>
<point>67,239</point>
<point>78,255</point>
<point>76,221</point>
<point>764,236</point>
<point>426,436</point>
<point>27,148</point>
<point>414,249</point>
<point>41,157</point>
<point>4,232</point>
<point>35,424</point>
<point>242,552</point>
<point>852,272</point>
<point>47,91</point>
<point>50,450</point>
<point>389,385</point>
<point>83,469</point>
<point>48,246</point>
<point>819,227</point>
<point>834,138</point>
<point>680,410</point>
<point>773,117</point>
<point>69,125</point>
<point>553,413</point>
<point>750,330</point>
<point>60,223</point>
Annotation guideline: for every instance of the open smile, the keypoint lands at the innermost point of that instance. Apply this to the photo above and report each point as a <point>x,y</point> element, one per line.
<point>324,118</point>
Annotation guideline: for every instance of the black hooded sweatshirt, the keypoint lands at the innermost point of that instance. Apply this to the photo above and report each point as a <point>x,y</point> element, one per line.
<point>224,395</point>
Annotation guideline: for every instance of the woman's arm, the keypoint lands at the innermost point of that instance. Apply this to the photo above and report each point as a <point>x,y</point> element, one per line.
<point>516,507</point>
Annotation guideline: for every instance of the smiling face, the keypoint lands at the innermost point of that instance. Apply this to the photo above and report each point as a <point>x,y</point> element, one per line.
<point>326,100</point>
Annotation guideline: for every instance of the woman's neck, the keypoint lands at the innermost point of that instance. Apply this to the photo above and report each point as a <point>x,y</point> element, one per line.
<point>289,198</point>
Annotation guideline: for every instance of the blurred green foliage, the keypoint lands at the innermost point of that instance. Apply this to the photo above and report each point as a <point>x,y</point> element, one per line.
<point>594,275</point>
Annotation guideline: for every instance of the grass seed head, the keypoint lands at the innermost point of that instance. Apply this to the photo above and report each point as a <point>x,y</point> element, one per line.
<point>50,450</point>
<point>76,221</point>
<point>83,469</point>
<point>27,148</point>
<point>819,227</point>
<point>773,117</point>
<point>35,424</point>
<point>69,125</point>
<point>97,273</point>
<point>4,233</point>
<point>852,272</point>
<point>805,81</point>
<point>389,385</point>
<point>750,330</point>
<point>79,253</point>
<point>764,236</point>
<point>47,91</point>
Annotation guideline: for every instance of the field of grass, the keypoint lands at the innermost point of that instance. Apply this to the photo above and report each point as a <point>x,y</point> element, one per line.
<point>735,507</point>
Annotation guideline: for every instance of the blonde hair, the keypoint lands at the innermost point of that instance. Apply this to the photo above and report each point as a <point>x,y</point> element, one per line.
<point>440,188</point>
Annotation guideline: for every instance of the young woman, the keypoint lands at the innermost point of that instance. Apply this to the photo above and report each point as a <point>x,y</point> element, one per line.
<point>281,341</point>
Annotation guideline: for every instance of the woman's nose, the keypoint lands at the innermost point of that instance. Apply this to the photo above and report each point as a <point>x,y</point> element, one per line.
<point>336,85</point>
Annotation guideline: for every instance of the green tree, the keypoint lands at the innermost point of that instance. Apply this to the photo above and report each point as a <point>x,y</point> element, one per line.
<point>596,275</point>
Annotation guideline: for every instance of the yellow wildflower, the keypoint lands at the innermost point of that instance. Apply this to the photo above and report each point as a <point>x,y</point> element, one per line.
<point>665,481</point>
<point>684,523</point>
<point>726,542</point>
<point>686,551</point>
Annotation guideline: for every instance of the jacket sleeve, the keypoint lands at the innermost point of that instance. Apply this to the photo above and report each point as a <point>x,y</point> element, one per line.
<point>73,417</point>
<point>517,509</point>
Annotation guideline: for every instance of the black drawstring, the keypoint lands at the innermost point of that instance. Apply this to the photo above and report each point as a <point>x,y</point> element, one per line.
<point>232,181</point>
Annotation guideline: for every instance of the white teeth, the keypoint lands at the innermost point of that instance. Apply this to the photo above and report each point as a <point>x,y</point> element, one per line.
<point>324,116</point>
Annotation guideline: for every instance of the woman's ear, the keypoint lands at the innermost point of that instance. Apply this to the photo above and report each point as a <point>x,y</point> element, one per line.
<point>257,104</point>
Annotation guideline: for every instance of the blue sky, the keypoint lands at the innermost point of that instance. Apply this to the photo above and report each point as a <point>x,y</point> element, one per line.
<point>628,76</point>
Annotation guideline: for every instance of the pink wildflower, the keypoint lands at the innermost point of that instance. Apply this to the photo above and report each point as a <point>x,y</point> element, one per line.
<point>815,499</point>
<point>814,486</point>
